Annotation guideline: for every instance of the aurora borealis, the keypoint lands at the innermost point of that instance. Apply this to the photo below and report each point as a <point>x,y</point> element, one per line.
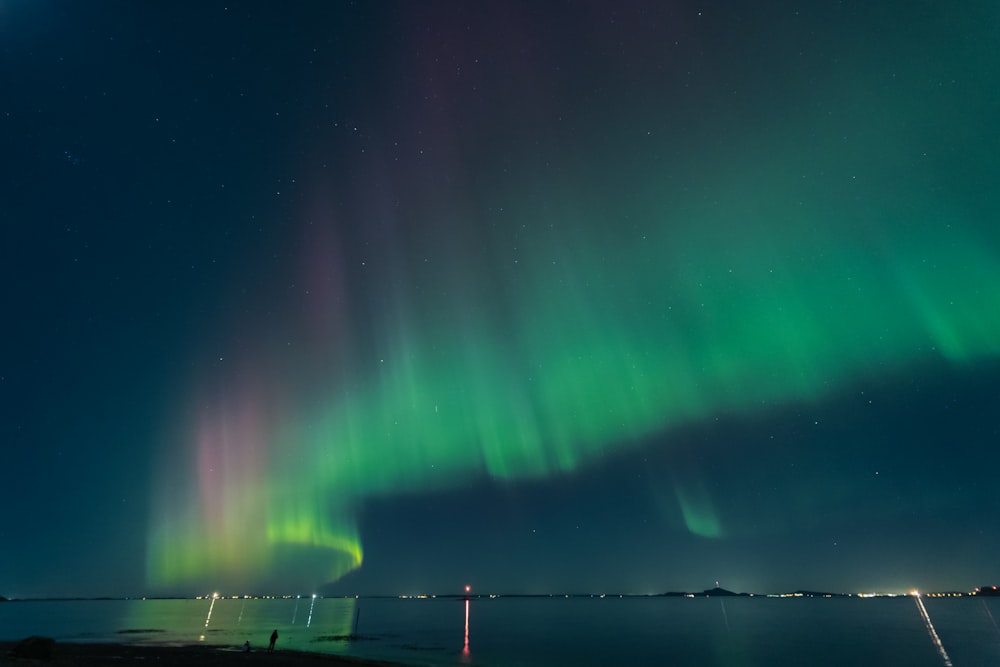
<point>392,297</point>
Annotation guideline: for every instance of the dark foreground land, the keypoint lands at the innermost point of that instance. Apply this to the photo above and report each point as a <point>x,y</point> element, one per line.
<point>134,655</point>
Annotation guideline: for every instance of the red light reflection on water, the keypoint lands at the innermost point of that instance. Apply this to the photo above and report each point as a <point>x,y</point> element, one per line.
<point>465,649</point>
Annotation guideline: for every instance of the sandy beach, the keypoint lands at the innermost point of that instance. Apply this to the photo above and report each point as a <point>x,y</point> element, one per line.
<point>123,655</point>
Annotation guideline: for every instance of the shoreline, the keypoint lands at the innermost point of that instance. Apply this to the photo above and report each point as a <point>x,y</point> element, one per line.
<point>195,655</point>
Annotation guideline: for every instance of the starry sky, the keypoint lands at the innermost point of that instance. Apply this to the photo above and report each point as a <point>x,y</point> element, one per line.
<point>395,297</point>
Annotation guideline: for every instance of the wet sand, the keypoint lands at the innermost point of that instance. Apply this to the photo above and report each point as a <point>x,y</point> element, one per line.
<point>198,655</point>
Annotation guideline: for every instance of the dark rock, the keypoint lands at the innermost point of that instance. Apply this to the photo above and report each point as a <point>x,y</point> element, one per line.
<point>35,648</point>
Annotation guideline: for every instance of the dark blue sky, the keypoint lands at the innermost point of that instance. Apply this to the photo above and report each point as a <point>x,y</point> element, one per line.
<point>534,296</point>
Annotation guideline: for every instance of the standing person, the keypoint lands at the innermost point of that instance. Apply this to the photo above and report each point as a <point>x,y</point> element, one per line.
<point>274,638</point>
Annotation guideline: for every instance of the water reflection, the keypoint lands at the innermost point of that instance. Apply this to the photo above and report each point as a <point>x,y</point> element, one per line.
<point>989,615</point>
<point>930,629</point>
<point>465,648</point>
<point>210,608</point>
<point>578,632</point>
<point>208,618</point>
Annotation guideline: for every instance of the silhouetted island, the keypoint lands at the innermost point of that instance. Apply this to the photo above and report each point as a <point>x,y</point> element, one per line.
<point>718,591</point>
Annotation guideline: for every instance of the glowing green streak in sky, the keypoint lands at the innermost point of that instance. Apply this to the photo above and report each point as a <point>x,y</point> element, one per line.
<point>582,378</point>
<point>696,507</point>
<point>584,372</point>
<point>603,330</point>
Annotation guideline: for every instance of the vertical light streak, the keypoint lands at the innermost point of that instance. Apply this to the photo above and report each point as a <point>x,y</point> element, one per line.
<point>465,648</point>
<point>930,629</point>
<point>311,605</point>
<point>210,608</point>
<point>208,618</point>
<point>989,614</point>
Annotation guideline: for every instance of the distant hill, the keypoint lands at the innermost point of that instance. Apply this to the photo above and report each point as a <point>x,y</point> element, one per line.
<point>721,592</point>
<point>708,592</point>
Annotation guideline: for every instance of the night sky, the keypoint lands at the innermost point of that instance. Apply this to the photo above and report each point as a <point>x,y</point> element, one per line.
<point>395,297</point>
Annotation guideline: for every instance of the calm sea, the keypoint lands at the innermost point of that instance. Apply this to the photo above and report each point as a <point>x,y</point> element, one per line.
<point>584,632</point>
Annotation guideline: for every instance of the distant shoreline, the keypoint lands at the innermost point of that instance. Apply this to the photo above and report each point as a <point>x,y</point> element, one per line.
<point>983,591</point>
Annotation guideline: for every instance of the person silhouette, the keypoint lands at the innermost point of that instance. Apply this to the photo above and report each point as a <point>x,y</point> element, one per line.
<point>246,647</point>
<point>274,638</point>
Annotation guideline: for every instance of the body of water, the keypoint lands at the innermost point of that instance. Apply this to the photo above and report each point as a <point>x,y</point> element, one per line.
<point>530,632</point>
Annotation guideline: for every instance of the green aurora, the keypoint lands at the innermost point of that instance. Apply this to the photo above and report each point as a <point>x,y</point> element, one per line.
<point>606,350</point>
<point>635,287</point>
